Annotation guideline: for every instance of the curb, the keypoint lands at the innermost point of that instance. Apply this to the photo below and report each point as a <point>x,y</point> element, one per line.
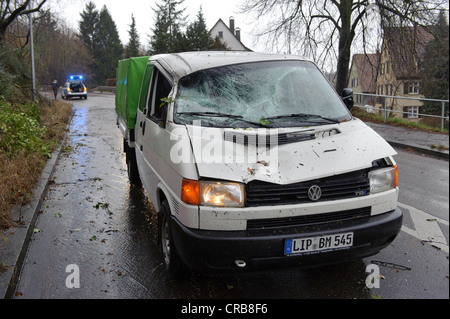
<point>421,150</point>
<point>18,238</point>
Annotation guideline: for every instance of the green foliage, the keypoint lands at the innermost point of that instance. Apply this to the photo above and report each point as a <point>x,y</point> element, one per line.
<point>20,129</point>
<point>14,73</point>
<point>6,79</point>
<point>99,33</point>
<point>370,117</point>
<point>89,19</point>
<point>108,48</point>
<point>167,36</point>
<point>434,68</point>
<point>197,34</point>
<point>132,48</point>
<point>198,37</point>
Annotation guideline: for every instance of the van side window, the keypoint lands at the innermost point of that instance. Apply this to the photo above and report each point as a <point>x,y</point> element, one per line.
<point>161,88</point>
<point>151,91</point>
<point>145,86</point>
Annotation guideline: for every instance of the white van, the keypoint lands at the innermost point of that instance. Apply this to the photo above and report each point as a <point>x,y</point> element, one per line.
<point>253,161</point>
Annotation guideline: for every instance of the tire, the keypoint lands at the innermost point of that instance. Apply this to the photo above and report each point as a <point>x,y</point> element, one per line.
<point>175,267</point>
<point>132,169</point>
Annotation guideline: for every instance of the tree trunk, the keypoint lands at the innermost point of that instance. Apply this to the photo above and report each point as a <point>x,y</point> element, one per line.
<point>345,41</point>
<point>2,34</point>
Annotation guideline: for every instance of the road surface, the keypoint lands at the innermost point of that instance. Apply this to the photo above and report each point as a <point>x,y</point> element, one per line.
<point>95,236</point>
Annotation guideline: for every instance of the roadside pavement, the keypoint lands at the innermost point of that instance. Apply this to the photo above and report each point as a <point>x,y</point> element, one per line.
<point>434,144</point>
<point>15,241</point>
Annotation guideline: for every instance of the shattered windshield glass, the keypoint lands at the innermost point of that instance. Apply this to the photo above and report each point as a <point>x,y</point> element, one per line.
<point>270,94</point>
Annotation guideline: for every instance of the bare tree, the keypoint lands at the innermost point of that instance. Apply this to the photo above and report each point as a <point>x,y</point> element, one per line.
<point>10,10</point>
<point>70,56</point>
<point>326,29</point>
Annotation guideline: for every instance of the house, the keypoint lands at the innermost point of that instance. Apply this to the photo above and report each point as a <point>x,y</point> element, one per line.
<point>363,77</point>
<point>398,70</point>
<point>231,36</point>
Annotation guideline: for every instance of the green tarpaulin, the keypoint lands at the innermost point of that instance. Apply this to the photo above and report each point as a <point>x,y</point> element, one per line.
<point>128,87</point>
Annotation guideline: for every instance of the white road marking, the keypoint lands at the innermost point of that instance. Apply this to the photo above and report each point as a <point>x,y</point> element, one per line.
<point>426,227</point>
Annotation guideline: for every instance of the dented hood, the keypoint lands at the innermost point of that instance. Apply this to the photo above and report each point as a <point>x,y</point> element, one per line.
<point>314,152</point>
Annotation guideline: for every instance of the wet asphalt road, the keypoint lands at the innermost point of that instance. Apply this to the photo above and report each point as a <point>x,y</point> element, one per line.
<point>93,219</point>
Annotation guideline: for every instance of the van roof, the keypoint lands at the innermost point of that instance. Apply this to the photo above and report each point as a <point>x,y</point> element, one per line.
<point>182,64</point>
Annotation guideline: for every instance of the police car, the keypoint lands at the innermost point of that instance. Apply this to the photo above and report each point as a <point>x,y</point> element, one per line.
<point>74,87</point>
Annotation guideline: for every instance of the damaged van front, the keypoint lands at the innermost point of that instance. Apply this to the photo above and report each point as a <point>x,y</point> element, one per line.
<point>254,161</point>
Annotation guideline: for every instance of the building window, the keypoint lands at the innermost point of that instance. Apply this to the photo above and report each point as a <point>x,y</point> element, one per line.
<point>411,112</point>
<point>388,89</point>
<point>354,82</point>
<point>380,90</point>
<point>413,88</point>
<point>221,34</point>
<point>359,98</point>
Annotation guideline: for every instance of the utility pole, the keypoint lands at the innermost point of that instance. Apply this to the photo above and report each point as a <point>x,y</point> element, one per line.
<point>33,81</point>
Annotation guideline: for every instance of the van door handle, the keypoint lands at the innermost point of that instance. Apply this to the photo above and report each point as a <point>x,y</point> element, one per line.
<point>143,128</point>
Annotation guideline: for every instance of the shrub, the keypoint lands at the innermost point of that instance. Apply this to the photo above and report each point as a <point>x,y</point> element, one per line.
<point>20,130</point>
<point>14,73</point>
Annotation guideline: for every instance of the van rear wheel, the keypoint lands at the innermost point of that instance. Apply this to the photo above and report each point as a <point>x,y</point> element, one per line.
<point>132,169</point>
<point>174,265</point>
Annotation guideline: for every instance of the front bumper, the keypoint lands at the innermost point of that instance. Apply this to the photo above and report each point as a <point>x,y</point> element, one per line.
<point>75,94</point>
<point>206,250</point>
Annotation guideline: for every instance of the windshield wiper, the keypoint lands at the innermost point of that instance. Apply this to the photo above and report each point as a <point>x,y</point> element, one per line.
<point>218,114</point>
<point>212,114</point>
<point>303,115</point>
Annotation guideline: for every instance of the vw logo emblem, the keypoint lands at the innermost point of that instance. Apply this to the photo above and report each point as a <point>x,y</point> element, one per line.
<point>314,193</point>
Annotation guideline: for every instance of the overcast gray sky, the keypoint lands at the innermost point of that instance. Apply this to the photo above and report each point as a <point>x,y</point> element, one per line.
<point>121,11</point>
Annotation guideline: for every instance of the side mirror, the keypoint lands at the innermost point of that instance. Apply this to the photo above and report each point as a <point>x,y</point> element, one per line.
<point>347,98</point>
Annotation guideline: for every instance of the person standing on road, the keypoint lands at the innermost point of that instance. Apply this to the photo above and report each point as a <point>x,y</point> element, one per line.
<point>55,88</point>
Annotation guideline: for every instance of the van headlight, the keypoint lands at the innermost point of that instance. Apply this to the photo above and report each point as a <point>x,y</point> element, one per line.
<point>213,193</point>
<point>222,194</point>
<point>383,179</point>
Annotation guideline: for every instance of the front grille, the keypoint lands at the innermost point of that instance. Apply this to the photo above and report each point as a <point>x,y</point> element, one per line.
<point>360,214</point>
<point>269,141</point>
<point>349,185</point>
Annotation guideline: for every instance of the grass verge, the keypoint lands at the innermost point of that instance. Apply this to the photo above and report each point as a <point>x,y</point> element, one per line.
<point>28,135</point>
<point>370,117</point>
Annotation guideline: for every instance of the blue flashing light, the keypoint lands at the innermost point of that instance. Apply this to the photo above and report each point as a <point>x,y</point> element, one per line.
<point>76,77</point>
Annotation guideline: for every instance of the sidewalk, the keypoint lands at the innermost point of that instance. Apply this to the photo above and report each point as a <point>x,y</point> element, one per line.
<point>14,243</point>
<point>419,141</point>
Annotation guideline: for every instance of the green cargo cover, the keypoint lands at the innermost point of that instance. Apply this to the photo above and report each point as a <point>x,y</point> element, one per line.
<point>128,87</point>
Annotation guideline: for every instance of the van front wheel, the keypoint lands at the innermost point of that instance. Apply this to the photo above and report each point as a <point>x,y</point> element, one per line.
<point>174,265</point>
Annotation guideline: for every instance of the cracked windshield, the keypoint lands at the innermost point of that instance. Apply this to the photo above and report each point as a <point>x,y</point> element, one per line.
<point>268,94</point>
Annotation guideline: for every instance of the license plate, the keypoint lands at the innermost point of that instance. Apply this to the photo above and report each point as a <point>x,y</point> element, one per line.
<point>311,245</point>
